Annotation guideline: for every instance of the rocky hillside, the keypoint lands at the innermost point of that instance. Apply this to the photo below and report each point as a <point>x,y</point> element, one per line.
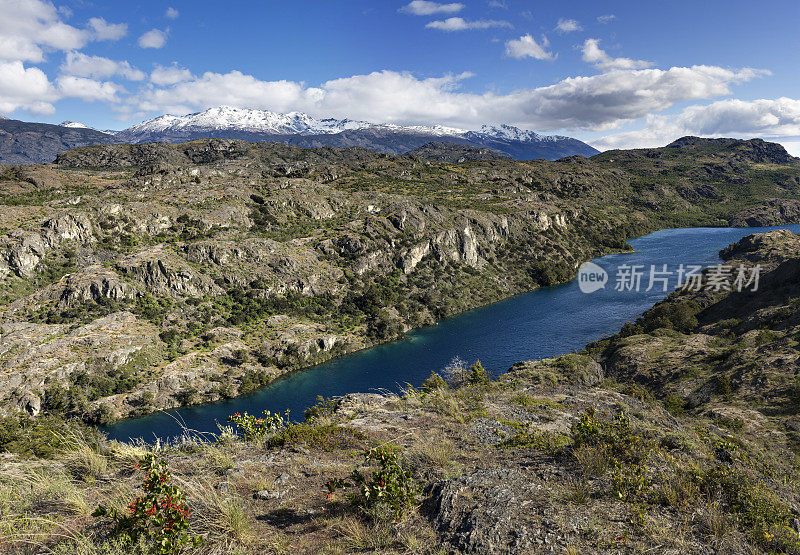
<point>23,142</point>
<point>143,277</point>
<point>454,153</point>
<point>678,435</point>
<point>724,353</point>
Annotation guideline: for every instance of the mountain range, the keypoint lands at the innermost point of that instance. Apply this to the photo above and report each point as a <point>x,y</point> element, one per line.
<point>23,142</point>
<point>26,142</point>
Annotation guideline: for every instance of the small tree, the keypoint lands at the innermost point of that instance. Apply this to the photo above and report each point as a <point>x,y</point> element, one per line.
<point>254,428</point>
<point>477,374</point>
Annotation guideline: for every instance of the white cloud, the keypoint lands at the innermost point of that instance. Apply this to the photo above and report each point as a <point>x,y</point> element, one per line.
<point>87,89</point>
<point>172,13</point>
<point>153,38</point>
<point>460,24</point>
<point>82,65</point>
<point>170,75</point>
<point>233,89</point>
<point>593,54</point>
<point>779,116</point>
<point>527,47</point>
<point>768,118</point>
<point>568,26</point>
<point>792,147</point>
<point>608,18</point>
<point>29,28</point>
<point>26,88</point>
<point>595,102</point>
<point>107,31</point>
<point>423,7</point>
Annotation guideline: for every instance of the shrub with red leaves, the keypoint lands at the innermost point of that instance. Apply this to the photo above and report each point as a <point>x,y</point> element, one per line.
<point>160,514</point>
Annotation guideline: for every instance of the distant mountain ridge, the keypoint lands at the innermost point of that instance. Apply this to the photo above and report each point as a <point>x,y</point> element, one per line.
<point>23,142</point>
<point>29,142</point>
<point>300,129</point>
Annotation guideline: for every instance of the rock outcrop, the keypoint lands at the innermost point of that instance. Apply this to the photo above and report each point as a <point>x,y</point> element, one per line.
<point>23,249</point>
<point>772,212</point>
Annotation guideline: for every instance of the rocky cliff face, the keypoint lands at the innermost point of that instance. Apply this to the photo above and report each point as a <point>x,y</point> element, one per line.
<point>772,212</point>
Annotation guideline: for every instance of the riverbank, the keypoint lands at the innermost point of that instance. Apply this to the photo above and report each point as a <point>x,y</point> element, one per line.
<point>539,324</point>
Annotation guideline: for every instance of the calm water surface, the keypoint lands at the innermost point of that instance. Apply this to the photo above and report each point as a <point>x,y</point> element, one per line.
<point>542,323</point>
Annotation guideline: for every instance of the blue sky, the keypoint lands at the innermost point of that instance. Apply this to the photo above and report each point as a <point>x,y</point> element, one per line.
<point>617,74</point>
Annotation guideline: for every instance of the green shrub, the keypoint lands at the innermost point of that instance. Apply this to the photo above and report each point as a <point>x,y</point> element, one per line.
<point>255,428</point>
<point>630,481</point>
<point>434,382</point>
<point>674,315</point>
<point>766,336</point>
<point>326,438</point>
<point>674,404</point>
<point>615,434</point>
<point>540,440</point>
<point>42,436</point>
<point>325,406</point>
<point>390,484</point>
<point>731,422</point>
<point>253,379</point>
<point>724,386</point>
<point>551,272</point>
<point>761,513</point>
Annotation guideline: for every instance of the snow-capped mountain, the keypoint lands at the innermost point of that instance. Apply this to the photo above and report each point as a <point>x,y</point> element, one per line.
<point>304,130</point>
<point>74,125</point>
<point>510,133</point>
<point>227,118</point>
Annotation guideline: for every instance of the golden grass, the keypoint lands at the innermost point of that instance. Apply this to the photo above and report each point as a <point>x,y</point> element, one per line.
<point>224,518</point>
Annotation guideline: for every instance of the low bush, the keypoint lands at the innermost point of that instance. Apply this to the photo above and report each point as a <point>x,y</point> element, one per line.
<point>326,438</point>
<point>390,484</point>
<point>674,315</point>
<point>540,440</point>
<point>477,374</point>
<point>256,428</point>
<point>614,434</point>
<point>760,512</point>
<point>160,515</point>
<point>41,437</point>
<point>434,382</point>
<point>674,404</point>
<point>324,407</point>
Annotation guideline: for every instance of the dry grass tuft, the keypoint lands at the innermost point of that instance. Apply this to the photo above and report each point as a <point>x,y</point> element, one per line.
<point>223,518</point>
<point>593,460</point>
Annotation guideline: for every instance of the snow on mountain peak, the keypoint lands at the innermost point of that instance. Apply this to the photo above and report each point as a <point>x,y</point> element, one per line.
<point>232,119</point>
<point>509,133</point>
<point>74,125</point>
